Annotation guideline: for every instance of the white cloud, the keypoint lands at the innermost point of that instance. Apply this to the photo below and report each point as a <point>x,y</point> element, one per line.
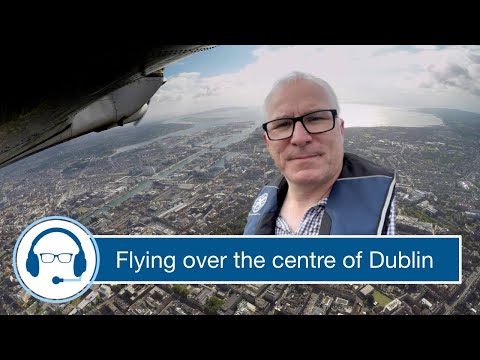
<point>447,77</point>
<point>459,70</point>
<point>426,47</point>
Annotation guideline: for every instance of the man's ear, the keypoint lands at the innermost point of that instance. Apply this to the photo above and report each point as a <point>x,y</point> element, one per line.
<point>342,128</point>
<point>265,138</point>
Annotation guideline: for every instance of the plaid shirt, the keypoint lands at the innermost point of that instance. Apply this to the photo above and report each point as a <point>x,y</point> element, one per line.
<point>310,224</point>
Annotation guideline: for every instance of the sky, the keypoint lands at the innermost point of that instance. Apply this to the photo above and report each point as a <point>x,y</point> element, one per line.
<point>413,76</point>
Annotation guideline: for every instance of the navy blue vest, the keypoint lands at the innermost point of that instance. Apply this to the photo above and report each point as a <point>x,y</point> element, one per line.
<point>358,204</point>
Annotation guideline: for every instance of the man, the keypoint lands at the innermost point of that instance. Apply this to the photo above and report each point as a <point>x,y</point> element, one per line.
<point>322,190</point>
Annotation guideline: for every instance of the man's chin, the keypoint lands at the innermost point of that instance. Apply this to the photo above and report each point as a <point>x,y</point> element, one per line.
<point>307,177</point>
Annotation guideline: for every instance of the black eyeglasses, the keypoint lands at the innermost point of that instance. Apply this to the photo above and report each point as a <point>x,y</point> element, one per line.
<point>316,122</point>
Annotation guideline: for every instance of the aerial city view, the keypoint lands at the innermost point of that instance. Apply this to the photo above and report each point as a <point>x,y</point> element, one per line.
<point>169,142</point>
<point>198,175</point>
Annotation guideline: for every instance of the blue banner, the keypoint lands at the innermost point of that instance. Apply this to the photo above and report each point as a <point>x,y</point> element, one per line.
<point>273,259</point>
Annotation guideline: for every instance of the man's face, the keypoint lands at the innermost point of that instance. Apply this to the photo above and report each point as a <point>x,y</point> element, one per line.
<point>305,159</point>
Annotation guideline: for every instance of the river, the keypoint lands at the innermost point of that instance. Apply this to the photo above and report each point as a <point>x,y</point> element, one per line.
<point>147,184</point>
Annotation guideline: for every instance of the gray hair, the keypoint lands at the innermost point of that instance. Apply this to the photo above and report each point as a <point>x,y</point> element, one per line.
<point>296,76</point>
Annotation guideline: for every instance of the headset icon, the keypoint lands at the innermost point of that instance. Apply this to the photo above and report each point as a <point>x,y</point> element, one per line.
<point>79,264</point>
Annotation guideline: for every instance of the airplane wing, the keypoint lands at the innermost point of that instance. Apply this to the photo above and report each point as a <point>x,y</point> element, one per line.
<point>71,92</point>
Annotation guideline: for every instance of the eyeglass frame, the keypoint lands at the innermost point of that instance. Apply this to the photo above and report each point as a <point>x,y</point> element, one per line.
<point>57,256</point>
<point>300,119</point>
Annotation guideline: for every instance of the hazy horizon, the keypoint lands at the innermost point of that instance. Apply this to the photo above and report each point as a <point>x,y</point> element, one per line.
<point>354,115</point>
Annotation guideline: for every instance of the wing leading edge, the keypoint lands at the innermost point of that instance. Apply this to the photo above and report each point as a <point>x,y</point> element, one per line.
<point>97,102</point>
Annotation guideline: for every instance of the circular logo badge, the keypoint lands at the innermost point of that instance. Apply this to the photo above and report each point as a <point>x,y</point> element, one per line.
<point>259,202</point>
<point>56,259</point>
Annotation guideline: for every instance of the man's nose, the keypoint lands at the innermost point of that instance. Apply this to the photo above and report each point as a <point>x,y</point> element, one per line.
<point>300,135</point>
